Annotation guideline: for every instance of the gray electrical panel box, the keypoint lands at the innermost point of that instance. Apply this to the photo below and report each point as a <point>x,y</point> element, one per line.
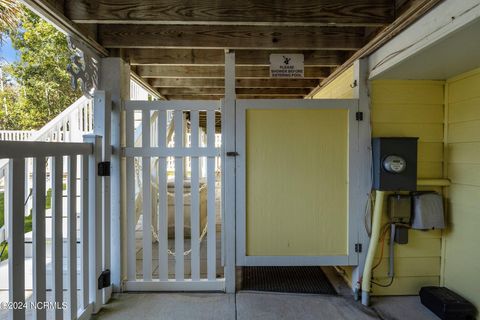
<point>399,208</point>
<point>428,211</point>
<point>394,164</point>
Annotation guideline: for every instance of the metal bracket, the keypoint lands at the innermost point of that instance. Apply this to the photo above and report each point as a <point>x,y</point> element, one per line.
<point>358,247</point>
<point>359,116</point>
<point>104,279</point>
<point>104,169</point>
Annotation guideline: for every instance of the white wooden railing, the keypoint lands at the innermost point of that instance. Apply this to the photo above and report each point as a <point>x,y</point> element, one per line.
<point>83,202</point>
<point>16,135</point>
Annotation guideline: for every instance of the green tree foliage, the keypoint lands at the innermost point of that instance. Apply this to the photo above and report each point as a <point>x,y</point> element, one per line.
<point>39,86</point>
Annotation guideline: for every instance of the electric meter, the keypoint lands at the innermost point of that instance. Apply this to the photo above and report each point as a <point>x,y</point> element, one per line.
<point>394,164</point>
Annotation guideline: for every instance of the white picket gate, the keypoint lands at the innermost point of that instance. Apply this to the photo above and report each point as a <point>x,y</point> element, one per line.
<point>185,251</point>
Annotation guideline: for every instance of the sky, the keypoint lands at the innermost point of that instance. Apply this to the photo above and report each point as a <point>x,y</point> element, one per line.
<point>7,53</point>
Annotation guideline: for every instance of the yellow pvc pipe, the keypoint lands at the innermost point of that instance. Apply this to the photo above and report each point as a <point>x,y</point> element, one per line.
<point>372,248</point>
<point>433,182</point>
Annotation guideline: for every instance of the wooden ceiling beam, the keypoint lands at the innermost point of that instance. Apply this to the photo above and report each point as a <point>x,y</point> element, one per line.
<point>319,58</point>
<point>234,12</point>
<point>220,91</point>
<point>240,83</point>
<point>243,96</point>
<point>228,37</point>
<point>218,72</point>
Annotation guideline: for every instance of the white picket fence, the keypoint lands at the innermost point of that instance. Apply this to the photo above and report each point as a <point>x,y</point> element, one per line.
<point>83,203</point>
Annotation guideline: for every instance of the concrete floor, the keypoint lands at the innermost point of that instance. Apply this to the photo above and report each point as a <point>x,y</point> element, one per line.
<point>251,305</point>
<point>261,306</point>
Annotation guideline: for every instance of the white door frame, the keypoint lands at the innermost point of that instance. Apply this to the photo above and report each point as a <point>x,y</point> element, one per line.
<point>354,165</point>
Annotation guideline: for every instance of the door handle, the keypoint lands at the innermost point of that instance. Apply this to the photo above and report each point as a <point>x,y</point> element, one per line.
<point>232,154</point>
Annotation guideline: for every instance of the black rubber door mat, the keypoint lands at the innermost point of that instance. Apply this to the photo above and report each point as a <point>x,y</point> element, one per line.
<point>286,279</point>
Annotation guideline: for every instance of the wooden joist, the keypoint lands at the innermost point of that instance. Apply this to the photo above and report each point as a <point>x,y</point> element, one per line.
<point>228,37</point>
<point>240,83</point>
<point>234,12</point>
<point>221,91</point>
<point>243,96</point>
<point>218,72</point>
<point>320,58</point>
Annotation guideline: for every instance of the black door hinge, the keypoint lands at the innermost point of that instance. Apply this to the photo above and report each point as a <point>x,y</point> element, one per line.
<point>359,116</point>
<point>104,169</point>
<point>358,247</point>
<point>104,279</point>
<point>232,154</point>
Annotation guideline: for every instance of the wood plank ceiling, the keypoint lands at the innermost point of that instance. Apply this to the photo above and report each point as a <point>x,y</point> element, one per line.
<point>177,46</point>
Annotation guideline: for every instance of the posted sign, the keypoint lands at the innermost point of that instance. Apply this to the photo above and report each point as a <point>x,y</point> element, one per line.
<point>286,65</point>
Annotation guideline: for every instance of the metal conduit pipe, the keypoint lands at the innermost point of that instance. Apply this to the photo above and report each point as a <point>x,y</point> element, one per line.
<point>376,226</point>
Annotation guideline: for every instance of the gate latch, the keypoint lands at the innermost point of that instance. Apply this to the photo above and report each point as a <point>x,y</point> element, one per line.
<point>232,154</point>
<point>104,169</point>
<point>104,279</point>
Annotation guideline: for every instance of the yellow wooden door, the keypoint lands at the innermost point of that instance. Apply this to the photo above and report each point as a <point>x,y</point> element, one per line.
<point>296,182</point>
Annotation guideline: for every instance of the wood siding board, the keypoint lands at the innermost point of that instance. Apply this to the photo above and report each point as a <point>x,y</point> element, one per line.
<point>461,253</point>
<point>465,152</point>
<point>340,88</point>
<point>464,131</point>
<point>412,108</point>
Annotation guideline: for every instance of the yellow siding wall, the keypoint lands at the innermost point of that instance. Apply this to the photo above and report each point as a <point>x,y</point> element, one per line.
<point>295,190</point>
<point>462,253</point>
<point>411,109</point>
<point>340,88</point>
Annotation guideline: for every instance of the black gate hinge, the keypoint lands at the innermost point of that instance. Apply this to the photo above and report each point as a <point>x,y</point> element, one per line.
<point>104,169</point>
<point>104,279</point>
<point>359,116</point>
<point>358,247</point>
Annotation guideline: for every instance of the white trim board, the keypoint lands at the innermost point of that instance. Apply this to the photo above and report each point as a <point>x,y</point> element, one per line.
<point>438,24</point>
<point>354,160</point>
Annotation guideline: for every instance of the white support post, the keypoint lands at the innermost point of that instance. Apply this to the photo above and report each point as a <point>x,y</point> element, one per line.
<point>72,236</point>
<point>147,200</point>
<point>102,110</point>
<point>28,202</point>
<point>228,183</point>
<point>38,222</point>
<point>115,79</point>
<point>84,235</point>
<point>361,92</point>
<point>6,197</point>
<point>195,199</point>
<point>211,219</point>
<point>162,199</point>
<point>16,239</point>
<point>131,216</point>
<point>57,233</point>
<point>179,214</point>
<point>95,222</point>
